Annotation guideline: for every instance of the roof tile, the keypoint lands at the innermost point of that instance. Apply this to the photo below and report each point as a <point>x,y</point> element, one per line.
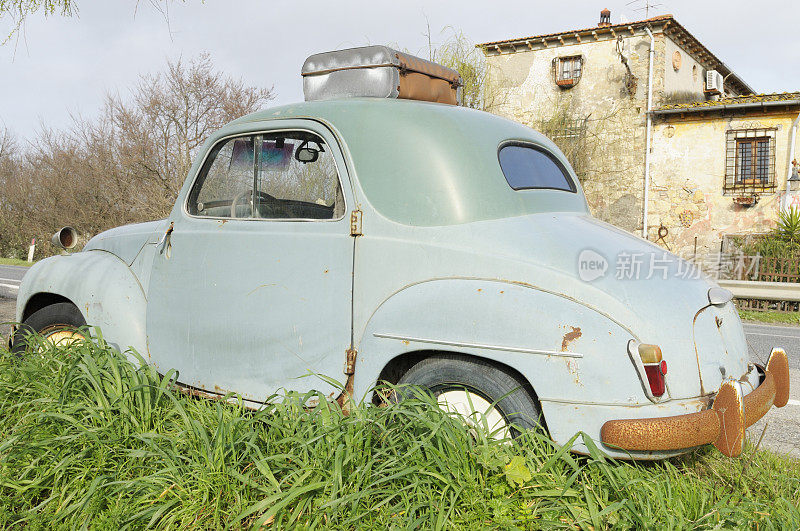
<point>752,98</point>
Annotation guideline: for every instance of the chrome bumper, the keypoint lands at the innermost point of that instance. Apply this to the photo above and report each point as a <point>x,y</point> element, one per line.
<point>722,425</point>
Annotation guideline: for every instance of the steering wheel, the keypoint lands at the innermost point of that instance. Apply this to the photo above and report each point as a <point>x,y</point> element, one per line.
<point>245,193</point>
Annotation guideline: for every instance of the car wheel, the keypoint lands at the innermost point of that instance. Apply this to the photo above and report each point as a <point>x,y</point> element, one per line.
<point>482,393</point>
<point>57,323</point>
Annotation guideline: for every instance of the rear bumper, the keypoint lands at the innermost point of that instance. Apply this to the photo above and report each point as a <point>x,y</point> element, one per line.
<point>722,425</point>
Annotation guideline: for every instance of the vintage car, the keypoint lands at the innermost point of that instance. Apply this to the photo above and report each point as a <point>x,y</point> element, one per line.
<point>367,235</point>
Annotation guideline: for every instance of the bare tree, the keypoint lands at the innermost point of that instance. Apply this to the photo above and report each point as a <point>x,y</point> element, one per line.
<point>126,166</point>
<point>458,52</point>
<point>19,10</point>
<point>169,116</point>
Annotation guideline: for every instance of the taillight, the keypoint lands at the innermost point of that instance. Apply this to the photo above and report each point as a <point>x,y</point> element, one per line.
<point>654,367</point>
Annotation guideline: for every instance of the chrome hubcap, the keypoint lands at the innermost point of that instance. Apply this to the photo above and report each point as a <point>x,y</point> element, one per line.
<point>476,411</point>
<point>62,338</point>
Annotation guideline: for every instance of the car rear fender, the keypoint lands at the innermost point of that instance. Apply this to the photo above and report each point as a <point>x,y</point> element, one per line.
<point>566,350</point>
<point>101,286</point>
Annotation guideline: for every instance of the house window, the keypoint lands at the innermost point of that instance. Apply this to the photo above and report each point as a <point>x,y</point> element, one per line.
<point>750,161</point>
<point>568,70</point>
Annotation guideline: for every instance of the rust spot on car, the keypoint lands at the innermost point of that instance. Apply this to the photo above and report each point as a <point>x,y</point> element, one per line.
<point>346,396</point>
<point>405,342</point>
<point>223,222</point>
<point>501,292</point>
<point>569,337</point>
<point>259,287</point>
<point>723,424</point>
<point>326,271</point>
<point>197,393</point>
<point>479,290</point>
<point>663,433</point>
<point>572,368</point>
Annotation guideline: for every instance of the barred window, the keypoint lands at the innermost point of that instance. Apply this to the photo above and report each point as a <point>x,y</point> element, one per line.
<point>750,161</point>
<point>568,70</point>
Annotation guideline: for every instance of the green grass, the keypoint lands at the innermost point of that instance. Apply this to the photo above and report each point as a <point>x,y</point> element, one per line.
<point>791,318</point>
<point>15,261</point>
<point>88,439</point>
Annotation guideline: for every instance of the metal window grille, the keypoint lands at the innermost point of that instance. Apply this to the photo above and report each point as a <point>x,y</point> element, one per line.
<point>570,136</point>
<point>566,129</point>
<point>750,161</point>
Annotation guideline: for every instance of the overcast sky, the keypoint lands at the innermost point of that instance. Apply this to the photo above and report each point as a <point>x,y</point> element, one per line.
<point>64,66</point>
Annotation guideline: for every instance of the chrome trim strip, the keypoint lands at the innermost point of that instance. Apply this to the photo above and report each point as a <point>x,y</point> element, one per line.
<point>481,346</point>
<point>626,405</point>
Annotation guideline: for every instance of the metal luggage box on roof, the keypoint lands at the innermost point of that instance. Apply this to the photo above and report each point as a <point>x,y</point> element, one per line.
<point>380,72</point>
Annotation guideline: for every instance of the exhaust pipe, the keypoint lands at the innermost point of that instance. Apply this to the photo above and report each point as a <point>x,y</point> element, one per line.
<point>65,238</point>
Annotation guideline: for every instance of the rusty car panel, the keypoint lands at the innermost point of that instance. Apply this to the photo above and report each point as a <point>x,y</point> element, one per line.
<point>722,425</point>
<point>433,251</point>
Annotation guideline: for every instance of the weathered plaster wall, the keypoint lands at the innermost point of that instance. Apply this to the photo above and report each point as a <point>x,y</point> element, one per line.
<point>688,158</point>
<point>688,171</point>
<point>524,89</point>
<point>690,77</point>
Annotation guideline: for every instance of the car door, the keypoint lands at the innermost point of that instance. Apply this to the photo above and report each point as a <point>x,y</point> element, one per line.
<point>251,292</point>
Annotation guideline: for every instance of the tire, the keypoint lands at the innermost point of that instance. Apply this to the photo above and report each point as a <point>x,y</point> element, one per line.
<point>444,374</point>
<point>48,321</point>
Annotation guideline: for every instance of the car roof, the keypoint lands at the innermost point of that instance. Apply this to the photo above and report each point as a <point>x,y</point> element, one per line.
<point>428,164</point>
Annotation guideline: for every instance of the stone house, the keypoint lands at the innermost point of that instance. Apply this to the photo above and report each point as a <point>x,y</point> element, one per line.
<point>668,141</point>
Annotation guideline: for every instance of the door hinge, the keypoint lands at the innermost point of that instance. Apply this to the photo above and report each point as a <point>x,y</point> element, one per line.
<point>355,223</point>
<point>350,363</point>
<point>165,240</point>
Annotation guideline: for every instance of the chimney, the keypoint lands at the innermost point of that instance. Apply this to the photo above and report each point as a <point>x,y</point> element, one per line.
<point>605,18</point>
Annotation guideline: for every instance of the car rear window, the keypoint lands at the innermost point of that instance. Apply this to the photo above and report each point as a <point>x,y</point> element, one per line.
<point>527,167</point>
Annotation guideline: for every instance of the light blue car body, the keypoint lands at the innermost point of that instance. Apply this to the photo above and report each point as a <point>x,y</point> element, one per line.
<point>449,259</point>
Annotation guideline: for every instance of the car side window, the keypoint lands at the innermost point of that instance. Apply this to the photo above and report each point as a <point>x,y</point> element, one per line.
<point>226,175</point>
<point>527,167</point>
<point>293,174</point>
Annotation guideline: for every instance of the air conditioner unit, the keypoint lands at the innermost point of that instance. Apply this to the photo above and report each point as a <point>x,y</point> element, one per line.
<point>714,81</point>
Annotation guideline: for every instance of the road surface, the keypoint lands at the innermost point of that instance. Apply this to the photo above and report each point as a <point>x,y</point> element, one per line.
<point>782,425</point>
<point>10,277</point>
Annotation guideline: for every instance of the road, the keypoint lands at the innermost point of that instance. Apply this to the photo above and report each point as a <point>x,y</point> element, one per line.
<point>10,277</point>
<point>782,425</point>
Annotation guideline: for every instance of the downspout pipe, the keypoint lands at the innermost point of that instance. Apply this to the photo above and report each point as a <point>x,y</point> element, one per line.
<point>649,132</point>
<point>792,143</point>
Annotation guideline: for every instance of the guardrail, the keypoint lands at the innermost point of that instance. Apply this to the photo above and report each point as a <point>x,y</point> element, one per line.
<point>754,289</point>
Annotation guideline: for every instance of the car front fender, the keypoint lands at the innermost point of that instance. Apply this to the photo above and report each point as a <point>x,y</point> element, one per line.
<point>101,286</point>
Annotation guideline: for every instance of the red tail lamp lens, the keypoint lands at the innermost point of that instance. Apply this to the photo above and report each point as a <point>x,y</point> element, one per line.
<point>655,376</point>
<point>655,368</point>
